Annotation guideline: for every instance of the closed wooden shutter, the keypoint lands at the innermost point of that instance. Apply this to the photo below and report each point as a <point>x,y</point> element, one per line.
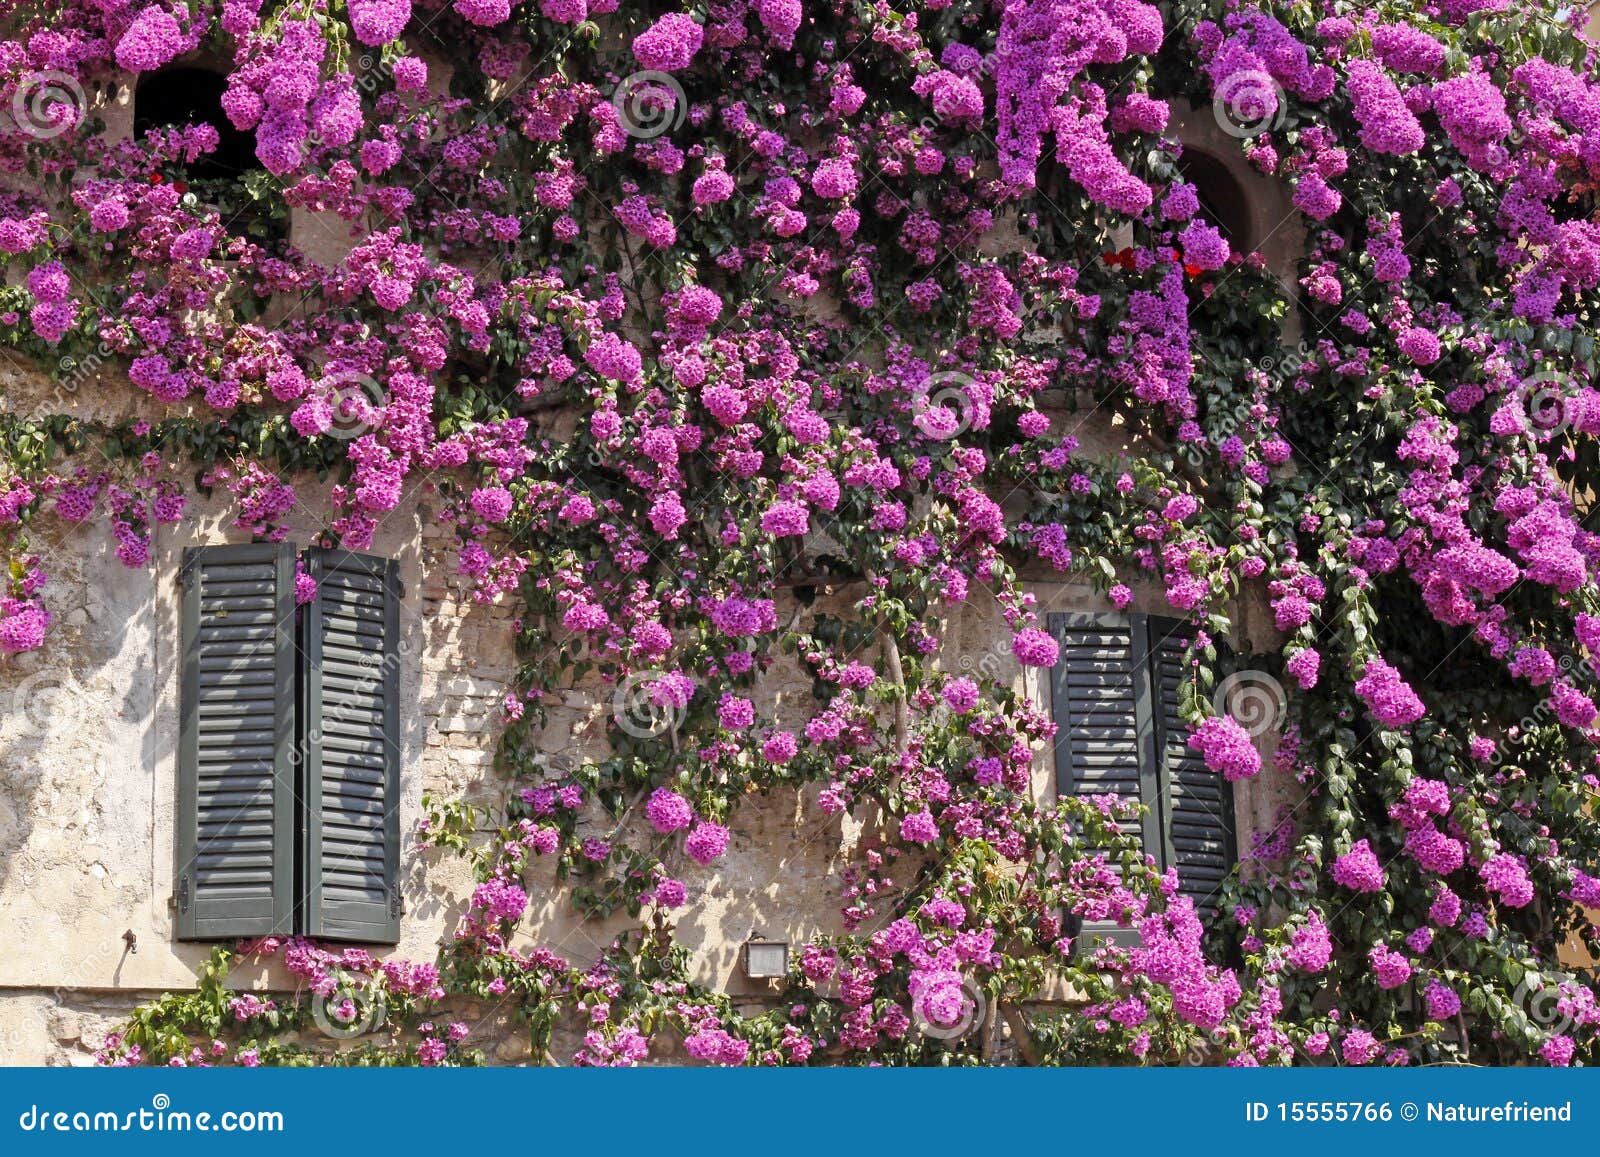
<point>1196,803</point>
<point>1115,694</point>
<point>236,810</point>
<point>350,860</point>
<point>1104,716</point>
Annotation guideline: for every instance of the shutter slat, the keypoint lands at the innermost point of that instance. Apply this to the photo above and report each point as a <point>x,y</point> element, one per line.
<point>351,856</point>
<point>343,753</point>
<point>222,803</point>
<point>221,587</point>
<point>223,648</point>
<point>223,696</point>
<point>356,581</point>
<point>237,604</point>
<point>235,828</point>
<point>226,757</point>
<point>351,671</point>
<point>237,679</point>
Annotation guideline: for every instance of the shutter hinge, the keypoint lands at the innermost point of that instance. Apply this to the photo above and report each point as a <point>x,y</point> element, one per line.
<point>394,901</point>
<point>183,893</point>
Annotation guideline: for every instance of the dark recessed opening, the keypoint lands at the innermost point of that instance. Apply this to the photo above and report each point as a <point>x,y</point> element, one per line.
<point>1222,198</point>
<point>189,96</point>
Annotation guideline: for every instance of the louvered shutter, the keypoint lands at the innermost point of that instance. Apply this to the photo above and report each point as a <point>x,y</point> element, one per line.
<point>236,810</point>
<point>350,860</point>
<point>1196,809</point>
<point>1104,716</point>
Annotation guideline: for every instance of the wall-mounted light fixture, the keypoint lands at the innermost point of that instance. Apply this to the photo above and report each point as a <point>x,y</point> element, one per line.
<point>765,959</point>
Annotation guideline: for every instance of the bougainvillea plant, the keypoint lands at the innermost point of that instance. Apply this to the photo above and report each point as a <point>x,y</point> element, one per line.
<point>690,311</point>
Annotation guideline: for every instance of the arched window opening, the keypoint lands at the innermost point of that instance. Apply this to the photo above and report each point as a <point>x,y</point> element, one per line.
<point>1222,198</point>
<point>186,95</point>
<point>177,97</point>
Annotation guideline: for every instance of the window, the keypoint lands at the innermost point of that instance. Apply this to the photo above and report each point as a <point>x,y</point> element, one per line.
<point>1114,692</point>
<point>176,97</point>
<point>229,178</point>
<point>288,757</point>
<point>1223,200</point>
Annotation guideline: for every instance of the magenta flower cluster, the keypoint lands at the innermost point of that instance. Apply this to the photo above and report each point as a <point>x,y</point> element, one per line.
<point>1227,748</point>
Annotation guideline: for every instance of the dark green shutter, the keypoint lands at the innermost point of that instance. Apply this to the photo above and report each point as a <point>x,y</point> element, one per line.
<point>1105,723</point>
<point>1115,696</point>
<point>236,815</point>
<point>350,860</point>
<point>1196,803</point>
